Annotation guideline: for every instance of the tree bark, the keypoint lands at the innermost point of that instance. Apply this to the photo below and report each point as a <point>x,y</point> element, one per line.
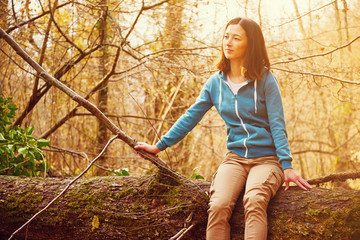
<point>157,207</point>
<point>102,96</point>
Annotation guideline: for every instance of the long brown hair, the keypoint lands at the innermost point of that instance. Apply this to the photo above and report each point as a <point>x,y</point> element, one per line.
<point>256,57</point>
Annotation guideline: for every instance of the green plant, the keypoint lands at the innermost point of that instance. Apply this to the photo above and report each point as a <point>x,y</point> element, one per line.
<point>119,172</point>
<point>20,153</point>
<point>195,175</point>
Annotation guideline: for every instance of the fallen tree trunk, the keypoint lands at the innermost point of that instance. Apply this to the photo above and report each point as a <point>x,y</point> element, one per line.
<point>158,207</point>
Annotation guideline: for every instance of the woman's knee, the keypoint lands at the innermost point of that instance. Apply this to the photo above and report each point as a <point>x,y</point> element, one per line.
<point>220,206</point>
<point>255,200</point>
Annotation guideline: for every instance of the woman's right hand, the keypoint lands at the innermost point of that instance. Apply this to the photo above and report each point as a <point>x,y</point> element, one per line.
<point>147,147</point>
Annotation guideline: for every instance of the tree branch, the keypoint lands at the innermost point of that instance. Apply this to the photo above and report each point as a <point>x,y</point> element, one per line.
<point>9,30</point>
<point>318,75</point>
<point>133,25</point>
<point>42,52</point>
<point>313,10</point>
<point>94,90</point>
<point>154,5</point>
<point>340,177</point>
<point>319,54</point>
<point>59,73</point>
<point>163,167</point>
<point>62,33</point>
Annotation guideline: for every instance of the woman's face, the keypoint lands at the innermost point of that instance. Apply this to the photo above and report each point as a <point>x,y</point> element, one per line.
<point>235,43</point>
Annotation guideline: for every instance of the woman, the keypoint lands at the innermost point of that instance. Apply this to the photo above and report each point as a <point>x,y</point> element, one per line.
<point>247,96</point>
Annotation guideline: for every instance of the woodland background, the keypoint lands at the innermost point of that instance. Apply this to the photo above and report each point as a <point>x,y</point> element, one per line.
<point>143,63</point>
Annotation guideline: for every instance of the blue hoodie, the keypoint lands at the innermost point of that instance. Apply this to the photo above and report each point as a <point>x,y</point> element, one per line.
<point>254,117</point>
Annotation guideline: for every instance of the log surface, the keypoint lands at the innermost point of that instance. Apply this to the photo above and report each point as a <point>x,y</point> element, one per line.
<point>154,207</point>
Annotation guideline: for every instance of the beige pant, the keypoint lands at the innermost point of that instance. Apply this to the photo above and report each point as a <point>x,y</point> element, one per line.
<point>261,178</point>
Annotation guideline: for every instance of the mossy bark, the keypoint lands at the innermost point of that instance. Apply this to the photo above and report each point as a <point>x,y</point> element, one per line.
<point>155,207</point>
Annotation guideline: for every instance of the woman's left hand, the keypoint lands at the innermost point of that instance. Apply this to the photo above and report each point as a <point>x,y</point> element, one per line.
<point>291,176</point>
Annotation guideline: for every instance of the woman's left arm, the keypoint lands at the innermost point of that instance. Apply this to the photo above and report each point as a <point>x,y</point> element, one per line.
<point>275,113</point>
<point>276,117</point>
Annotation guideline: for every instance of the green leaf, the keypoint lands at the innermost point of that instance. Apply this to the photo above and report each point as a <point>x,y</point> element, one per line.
<point>11,134</point>
<point>24,151</point>
<point>29,130</point>
<point>12,107</point>
<point>43,143</point>
<point>11,147</point>
<point>124,172</point>
<point>196,176</point>
<point>16,141</point>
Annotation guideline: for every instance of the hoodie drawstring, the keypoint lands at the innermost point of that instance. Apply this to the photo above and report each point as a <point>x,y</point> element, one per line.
<point>220,94</point>
<point>255,95</point>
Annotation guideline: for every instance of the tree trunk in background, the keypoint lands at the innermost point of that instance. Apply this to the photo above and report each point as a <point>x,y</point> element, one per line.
<point>173,40</point>
<point>4,12</point>
<point>102,97</point>
<point>167,108</point>
<point>301,25</point>
<point>156,207</point>
<point>345,118</point>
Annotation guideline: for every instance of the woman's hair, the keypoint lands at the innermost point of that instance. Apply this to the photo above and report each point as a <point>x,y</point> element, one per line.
<point>256,57</point>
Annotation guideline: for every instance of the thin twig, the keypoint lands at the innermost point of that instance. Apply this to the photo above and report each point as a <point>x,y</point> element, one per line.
<point>318,75</point>
<point>65,189</point>
<point>181,233</point>
<point>305,14</point>
<point>62,33</point>
<point>152,126</point>
<point>319,54</point>
<point>133,25</point>
<point>9,30</point>
<point>13,10</point>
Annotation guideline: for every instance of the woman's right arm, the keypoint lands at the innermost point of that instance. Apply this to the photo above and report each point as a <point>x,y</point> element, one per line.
<point>188,120</point>
<point>184,124</point>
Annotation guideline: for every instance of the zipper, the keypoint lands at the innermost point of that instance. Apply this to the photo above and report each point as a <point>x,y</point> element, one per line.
<point>238,115</point>
<point>243,125</point>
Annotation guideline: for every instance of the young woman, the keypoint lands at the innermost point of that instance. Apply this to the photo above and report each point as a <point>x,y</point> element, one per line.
<point>246,95</point>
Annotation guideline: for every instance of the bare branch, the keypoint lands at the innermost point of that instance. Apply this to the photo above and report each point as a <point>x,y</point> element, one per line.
<point>94,90</point>
<point>335,177</point>
<point>62,33</point>
<point>163,167</point>
<point>318,75</point>
<point>155,5</point>
<point>13,10</point>
<point>129,116</point>
<point>319,54</point>
<point>305,14</point>
<point>43,49</point>
<point>9,30</point>
<point>134,23</point>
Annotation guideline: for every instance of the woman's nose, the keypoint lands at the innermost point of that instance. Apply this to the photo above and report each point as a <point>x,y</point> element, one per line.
<point>228,42</point>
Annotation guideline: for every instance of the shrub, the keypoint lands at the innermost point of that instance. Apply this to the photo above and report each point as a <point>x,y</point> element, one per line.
<point>20,153</point>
